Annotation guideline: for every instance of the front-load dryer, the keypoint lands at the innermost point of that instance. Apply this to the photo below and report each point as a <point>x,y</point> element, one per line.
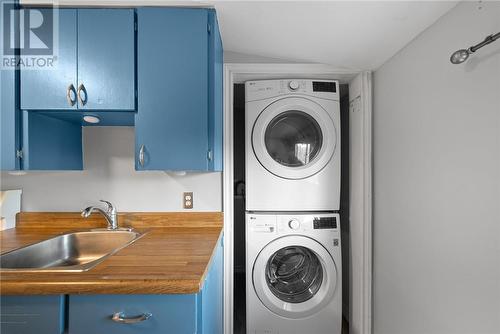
<point>292,145</point>
<point>293,273</point>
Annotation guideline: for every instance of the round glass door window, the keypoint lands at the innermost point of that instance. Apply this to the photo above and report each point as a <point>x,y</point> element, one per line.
<point>294,274</point>
<point>293,138</point>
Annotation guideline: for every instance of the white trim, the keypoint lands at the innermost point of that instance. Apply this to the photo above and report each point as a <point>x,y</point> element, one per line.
<point>366,108</point>
<point>227,204</point>
<point>236,73</point>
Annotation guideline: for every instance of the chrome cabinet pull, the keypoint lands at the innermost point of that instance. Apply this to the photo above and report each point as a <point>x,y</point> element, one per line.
<point>81,89</point>
<point>121,318</point>
<point>141,155</point>
<point>70,92</point>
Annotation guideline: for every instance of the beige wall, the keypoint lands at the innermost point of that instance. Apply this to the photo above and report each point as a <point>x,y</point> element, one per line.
<point>437,181</point>
<point>109,174</point>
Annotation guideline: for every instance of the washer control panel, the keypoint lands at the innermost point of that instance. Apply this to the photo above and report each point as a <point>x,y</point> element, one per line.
<point>288,223</point>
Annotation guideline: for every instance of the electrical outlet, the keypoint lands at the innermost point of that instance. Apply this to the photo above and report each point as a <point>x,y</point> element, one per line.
<point>188,200</point>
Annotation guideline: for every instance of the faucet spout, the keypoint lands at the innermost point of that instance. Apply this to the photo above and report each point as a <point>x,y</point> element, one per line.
<point>109,214</point>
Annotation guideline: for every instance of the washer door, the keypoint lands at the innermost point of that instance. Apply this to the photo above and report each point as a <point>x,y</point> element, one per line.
<point>294,276</point>
<point>294,138</point>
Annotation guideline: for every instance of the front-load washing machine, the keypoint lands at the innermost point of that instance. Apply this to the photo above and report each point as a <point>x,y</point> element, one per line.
<point>292,145</point>
<point>293,273</point>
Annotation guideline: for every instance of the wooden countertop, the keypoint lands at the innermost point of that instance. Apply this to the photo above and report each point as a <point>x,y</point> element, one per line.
<point>171,258</point>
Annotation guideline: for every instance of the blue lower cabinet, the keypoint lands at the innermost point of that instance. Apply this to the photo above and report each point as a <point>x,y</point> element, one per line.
<point>212,295</point>
<point>200,313</point>
<point>31,314</point>
<point>100,313</point>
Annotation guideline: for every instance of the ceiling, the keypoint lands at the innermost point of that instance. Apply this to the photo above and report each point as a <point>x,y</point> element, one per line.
<point>345,34</point>
<point>359,35</point>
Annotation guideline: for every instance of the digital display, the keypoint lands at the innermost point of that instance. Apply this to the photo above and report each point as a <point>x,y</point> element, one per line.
<point>325,223</point>
<point>322,86</point>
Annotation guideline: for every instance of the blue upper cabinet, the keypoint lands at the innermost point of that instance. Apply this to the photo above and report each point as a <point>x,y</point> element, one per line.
<point>51,143</point>
<point>95,68</point>
<point>106,59</point>
<point>177,124</point>
<point>54,88</point>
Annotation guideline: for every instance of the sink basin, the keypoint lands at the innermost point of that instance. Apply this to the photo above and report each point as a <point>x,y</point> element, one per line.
<point>78,251</point>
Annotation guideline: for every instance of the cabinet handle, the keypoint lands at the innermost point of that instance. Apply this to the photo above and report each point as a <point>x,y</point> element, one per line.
<point>81,89</point>
<point>141,155</point>
<point>69,93</point>
<point>120,317</point>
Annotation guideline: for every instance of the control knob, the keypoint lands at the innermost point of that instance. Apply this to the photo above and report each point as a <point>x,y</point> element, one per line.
<point>294,85</point>
<point>294,224</point>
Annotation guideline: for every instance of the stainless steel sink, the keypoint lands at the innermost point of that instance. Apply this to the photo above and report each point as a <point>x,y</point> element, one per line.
<point>78,251</point>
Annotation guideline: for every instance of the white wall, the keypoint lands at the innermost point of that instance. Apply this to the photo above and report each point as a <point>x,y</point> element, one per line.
<point>437,181</point>
<point>109,174</point>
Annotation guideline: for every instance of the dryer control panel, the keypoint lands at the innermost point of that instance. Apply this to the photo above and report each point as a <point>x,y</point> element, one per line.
<point>263,89</point>
<point>320,223</point>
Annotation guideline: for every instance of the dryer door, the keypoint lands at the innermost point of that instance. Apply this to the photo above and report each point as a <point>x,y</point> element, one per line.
<point>294,138</point>
<point>294,276</point>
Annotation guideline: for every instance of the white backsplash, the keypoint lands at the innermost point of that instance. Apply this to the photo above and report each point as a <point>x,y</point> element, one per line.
<point>109,174</point>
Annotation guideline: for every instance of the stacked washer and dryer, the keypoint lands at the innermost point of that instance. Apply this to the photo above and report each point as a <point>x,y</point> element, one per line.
<point>293,257</point>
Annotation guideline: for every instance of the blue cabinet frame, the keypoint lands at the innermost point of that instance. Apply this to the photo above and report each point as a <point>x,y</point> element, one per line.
<point>215,94</point>
<point>212,295</point>
<point>10,136</point>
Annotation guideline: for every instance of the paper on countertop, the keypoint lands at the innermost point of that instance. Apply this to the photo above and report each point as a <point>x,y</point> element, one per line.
<point>10,205</point>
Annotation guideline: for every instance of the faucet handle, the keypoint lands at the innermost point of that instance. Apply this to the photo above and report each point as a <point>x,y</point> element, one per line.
<point>111,209</point>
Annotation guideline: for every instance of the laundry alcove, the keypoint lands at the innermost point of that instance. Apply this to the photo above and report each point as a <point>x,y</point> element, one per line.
<point>355,204</point>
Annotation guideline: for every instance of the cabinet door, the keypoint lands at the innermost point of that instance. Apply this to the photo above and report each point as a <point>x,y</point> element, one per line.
<point>172,119</point>
<point>212,303</point>
<point>169,314</point>
<point>47,89</point>
<point>106,59</point>
<point>9,121</point>
<point>215,113</point>
<point>31,314</point>
<point>50,143</point>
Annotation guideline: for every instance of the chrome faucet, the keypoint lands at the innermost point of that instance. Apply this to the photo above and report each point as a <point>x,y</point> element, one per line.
<point>109,214</point>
